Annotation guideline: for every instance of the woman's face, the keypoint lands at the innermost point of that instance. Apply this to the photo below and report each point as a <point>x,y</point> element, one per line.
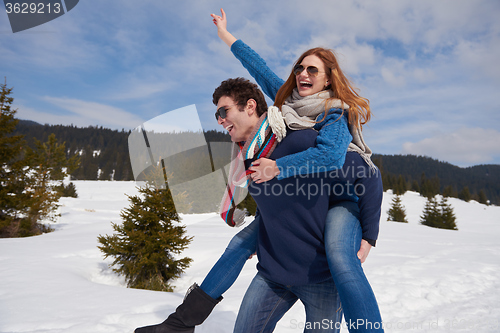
<point>307,83</point>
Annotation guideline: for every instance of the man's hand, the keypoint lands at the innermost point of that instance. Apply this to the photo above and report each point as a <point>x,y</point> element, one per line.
<point>364,249</point>
<point>263,169</point>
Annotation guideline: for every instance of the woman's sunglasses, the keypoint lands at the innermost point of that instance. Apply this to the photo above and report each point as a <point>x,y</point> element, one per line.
<point>311,70</point>
<point>222,112</point>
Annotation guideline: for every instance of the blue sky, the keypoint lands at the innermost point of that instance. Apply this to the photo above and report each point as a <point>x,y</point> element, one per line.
<point>429,68</point>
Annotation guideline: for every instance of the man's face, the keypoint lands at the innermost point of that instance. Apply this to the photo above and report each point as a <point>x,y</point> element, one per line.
<point>238,123</point>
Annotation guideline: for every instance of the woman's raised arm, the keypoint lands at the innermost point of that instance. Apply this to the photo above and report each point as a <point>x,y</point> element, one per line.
<point>221,23</point>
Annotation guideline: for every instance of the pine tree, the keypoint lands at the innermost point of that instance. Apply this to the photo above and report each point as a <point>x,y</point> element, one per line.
<point>448,192</point>
<point>9,150</point>
<point>429,187</point>
<point>48,166</point>
<point>424,186</point>
<point>392,181</point>
<point>397,212</point>
<point>430,216</point>
<point>399,187</point>
<point>415,187</point>
<point>438,215</point>
<point>107,169</point>
<point>482,197</point>
<point>67,190</point>
<point>13,197</point>
<point>448,218</point>
<point>465,194</point>
<point>145,244</point>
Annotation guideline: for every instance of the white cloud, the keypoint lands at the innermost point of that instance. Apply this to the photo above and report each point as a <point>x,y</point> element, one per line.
<point>96,113</point>
<point>42,117</point>
<point>138,88</point>
<point>480,57</point>
<point>464,147</point>
<point>356,58</point>
<point>390,76</point>
<point>424,75</point>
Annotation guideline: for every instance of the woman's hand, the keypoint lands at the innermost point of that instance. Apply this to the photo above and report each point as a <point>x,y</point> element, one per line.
<point>364,249</point>
<point>221,23</point>
<point>263,169</point>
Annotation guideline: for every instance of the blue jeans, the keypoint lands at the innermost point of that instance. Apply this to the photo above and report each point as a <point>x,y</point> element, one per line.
<point>226,270</point>
<point>266,302</point>
<point>342,241</point>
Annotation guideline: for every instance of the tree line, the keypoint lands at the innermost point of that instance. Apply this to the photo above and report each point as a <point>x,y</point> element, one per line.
<point>430,177</point>
<point>104,156</point>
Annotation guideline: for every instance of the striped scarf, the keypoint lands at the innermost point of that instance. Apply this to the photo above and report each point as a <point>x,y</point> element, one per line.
<point>261,143</point>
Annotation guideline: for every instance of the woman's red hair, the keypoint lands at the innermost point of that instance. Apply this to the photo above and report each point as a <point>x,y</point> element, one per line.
<point>343,89</point>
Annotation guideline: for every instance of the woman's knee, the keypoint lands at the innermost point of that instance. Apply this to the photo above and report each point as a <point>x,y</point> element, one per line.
<point>343,237</point>
<point>246,239</point>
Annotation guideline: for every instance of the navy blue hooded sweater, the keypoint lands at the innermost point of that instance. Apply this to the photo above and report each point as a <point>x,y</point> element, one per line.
<point>293,210</point>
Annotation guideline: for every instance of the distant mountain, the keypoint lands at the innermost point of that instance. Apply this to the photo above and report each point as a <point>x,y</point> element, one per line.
<point>28,123</point>
<point>485,177</point>
<point>104,154</point>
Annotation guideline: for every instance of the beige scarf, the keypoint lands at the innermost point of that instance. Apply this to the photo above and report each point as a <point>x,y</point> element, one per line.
<point>303,112</point>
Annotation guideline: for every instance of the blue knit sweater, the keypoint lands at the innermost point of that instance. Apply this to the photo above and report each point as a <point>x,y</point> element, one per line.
<point>333,139</point>
<point>329,152</point>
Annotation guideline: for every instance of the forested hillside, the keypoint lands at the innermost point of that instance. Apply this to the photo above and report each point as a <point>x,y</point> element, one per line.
<point>413,168</point>
<point>104,155</point>
<point>103,152</point>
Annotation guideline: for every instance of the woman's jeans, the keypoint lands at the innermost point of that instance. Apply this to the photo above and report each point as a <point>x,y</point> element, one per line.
<point>226,270</point>
<point>266,302</point>
<point>342,242</point>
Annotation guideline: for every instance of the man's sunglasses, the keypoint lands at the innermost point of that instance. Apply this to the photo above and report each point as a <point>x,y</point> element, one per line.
<point>311,70</point>
<point>222,112</point>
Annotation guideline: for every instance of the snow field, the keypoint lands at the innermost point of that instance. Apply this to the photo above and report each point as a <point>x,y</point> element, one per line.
<point>425,279</point>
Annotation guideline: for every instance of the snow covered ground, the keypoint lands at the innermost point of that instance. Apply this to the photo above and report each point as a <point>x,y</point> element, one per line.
<point>425,279</point>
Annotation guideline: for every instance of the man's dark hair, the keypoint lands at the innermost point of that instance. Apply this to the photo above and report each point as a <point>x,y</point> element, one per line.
<point>241,90</point>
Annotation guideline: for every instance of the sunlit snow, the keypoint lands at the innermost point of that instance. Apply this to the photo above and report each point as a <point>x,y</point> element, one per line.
<point>425,279</point>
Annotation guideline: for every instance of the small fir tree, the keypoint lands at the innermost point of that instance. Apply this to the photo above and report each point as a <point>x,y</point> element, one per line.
<point>145,245</point>
<point>448,218</point>
<point>397,212</point>
<point>67,190</point>
<point>430,215</point>
<point>48,167</point>
<point>438,215</point>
